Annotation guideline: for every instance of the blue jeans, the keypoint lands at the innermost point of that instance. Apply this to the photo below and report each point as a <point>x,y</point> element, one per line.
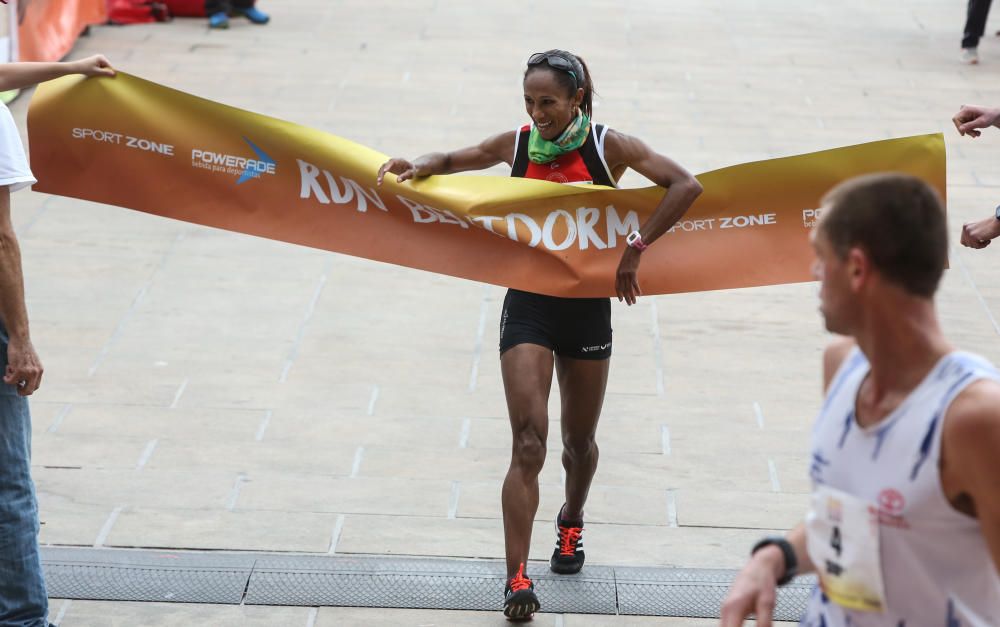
<point>23,601</point>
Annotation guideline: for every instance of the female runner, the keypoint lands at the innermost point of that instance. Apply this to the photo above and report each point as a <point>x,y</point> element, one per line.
<point>539,333</point>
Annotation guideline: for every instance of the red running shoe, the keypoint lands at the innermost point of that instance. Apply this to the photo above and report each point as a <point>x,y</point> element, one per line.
<point>520,602</point>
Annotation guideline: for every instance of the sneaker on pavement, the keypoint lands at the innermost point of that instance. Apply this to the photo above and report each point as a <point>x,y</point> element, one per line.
<point>255,15</point>
<point>218,20</point>
<point>520,602</point>
<point>568,556</point>
<point>970,56</point>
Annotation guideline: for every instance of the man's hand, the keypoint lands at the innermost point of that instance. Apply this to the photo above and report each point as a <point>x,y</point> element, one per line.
<point>24,369</point>
<point>978,234</point>
<point>755,589</point>
<point>96,65</point>
<point>972,117</point>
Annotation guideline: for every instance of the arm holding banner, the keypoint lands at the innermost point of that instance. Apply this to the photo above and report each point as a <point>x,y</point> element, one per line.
<point>624,151</point>
<point>26,74</point>
<point>491,151</point>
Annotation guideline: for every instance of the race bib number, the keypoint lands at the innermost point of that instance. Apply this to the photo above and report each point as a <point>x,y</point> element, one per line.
<point>843,544</point>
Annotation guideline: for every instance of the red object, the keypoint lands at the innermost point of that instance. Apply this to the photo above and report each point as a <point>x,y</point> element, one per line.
<point>136,12</point>
<point>186,8</point>
<point>566,168</point>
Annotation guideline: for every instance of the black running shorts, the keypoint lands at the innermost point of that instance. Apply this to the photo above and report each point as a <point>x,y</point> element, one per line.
<point>578,328</point>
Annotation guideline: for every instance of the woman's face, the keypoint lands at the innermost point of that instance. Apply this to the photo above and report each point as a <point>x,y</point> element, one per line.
<point>548,104</point>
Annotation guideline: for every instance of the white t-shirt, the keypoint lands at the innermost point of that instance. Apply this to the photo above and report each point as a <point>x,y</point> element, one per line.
<point>14,170</point>
<point>933,562</point>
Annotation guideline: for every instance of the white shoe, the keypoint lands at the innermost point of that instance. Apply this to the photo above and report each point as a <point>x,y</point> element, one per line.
<point>970,56</point>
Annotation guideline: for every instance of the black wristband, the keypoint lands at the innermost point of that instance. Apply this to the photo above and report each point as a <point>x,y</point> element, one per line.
<point>791,563</point>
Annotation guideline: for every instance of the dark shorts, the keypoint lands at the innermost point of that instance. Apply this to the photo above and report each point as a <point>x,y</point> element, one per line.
<point>578,328</point>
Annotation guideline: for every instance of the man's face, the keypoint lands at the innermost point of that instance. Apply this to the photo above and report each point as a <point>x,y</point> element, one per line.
<point>834,285</point>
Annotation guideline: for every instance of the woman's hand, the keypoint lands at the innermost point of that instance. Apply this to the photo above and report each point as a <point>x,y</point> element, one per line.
<point>626,279</point>
<point>96,65</point>
<point>403,169</point>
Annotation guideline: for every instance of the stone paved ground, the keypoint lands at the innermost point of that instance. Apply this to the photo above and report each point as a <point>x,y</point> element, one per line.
<point>216,391</point>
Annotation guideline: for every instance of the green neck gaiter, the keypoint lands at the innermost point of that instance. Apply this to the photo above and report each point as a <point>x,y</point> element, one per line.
<point>542,150</point>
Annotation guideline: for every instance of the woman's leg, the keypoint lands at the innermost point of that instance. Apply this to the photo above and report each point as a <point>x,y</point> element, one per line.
<point>527,380</point>
<point>582,383</point>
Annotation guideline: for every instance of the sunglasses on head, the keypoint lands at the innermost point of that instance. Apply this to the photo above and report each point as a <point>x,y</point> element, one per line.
<point>555,61</point>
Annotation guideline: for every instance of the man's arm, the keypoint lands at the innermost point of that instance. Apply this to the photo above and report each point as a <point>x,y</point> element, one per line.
<point>968,120</point>
<point>23,364</point>
<point>980,233</point>
<point>972,117</point>
<point>970,465</point>
<point>26,74</point>
<point>755,588</point>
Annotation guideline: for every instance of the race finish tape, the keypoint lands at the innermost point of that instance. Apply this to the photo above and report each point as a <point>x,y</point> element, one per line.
<point>129,142</point>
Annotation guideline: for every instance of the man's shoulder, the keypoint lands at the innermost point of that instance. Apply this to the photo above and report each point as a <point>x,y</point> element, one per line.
<point>975,410</point>
<point>970,440</point>
<point>834,355</point>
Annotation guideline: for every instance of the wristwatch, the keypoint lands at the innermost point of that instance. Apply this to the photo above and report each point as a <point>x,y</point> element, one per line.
<point>791,563</point>
<point>634,240</point>
<point>996,212</point>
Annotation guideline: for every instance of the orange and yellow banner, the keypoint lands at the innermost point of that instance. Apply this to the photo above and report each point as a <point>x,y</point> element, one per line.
<point>129,142</point>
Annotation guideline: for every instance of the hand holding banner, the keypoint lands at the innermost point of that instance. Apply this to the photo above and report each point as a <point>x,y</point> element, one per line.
<point>129,142</point>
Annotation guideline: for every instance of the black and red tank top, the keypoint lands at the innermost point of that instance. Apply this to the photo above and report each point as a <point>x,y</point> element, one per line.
<point>586,164</point>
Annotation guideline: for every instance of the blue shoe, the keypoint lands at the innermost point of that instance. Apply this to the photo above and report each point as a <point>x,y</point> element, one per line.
<point>218,20</point>
<point>255,15</point>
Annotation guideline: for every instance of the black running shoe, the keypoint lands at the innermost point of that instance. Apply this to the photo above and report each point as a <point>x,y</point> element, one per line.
<point>568,556</point>
<point>520,602</point>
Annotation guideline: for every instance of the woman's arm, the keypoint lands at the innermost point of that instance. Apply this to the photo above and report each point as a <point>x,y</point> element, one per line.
<point>489,152</point>
<point>682,190</point>
<point>21,75</point>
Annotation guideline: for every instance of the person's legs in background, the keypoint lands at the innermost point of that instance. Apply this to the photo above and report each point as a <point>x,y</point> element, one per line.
<point>248,9</point>
<point>23,599</point>
<point>218,13</point>
<point>975,26</point>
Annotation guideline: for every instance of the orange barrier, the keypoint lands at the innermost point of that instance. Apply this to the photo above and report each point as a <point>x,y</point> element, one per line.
<point>49,28</point>
<point>129,142</point>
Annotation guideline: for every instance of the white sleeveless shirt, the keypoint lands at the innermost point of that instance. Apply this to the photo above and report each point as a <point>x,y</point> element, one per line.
<point>936,568</point>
